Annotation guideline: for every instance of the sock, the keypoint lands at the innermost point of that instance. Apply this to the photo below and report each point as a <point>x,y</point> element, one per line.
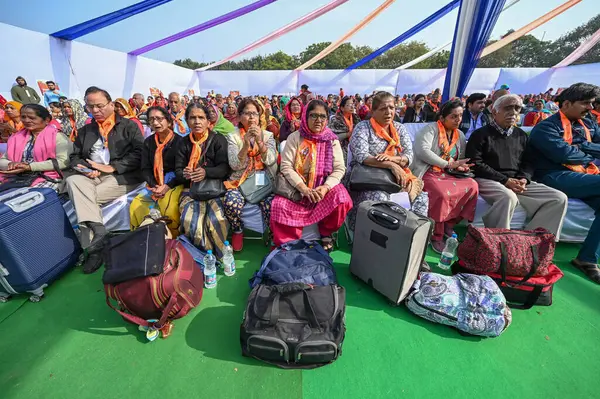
<point>98,228</point>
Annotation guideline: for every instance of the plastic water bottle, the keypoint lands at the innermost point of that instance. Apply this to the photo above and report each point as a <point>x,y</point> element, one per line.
<point>448,253</point>
<point>228,260</point>
<point>210,270</point>
<point>154,213</point>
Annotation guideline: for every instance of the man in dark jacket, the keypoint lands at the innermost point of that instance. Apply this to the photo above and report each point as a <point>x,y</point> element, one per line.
<point>107,156</point>
<point>564,148</point>
<point>504,174</point>
<point>473,116</point>
<point>23,93</point>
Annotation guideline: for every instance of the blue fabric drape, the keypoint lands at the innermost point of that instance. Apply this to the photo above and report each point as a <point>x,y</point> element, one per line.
<point>98,23</point>
<point>415,29</point>
<point>476,20</point>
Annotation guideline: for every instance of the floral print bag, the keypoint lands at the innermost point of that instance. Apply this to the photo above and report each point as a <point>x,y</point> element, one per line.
<point>472,304</point>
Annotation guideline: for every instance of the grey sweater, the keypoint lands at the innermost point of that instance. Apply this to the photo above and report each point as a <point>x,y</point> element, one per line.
<point>427,151</point>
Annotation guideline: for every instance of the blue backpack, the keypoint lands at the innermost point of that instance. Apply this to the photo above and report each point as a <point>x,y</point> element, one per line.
<point>298,261</point>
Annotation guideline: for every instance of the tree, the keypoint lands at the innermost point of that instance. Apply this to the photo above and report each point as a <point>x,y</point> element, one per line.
<point>527,51</point>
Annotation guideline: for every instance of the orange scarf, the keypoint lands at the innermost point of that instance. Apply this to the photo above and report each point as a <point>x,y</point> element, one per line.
<point>106,127</point>
<point>307,151</point>
<point>17,126</point>
<point>349,122</point>
<point>196,149</point>
<point>177,119</point>
<point>434,106</point>
<point>73,135</point>
<point>444,145</point>
<point>394,147</point>
<point>538,117</point>
<point>254,163</point>
<point>159,173</point>
<point>590,169</point>
<point>596,114</point>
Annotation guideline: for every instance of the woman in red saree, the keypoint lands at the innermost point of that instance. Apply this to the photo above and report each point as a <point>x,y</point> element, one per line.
<point>440,147</point>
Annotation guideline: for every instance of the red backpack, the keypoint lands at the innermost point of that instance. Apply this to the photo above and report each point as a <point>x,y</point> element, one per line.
<point>165,297</point>
<point>518,253</point>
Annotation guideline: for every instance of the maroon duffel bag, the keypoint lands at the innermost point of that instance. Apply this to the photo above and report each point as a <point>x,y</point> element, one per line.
<point>518,253</point>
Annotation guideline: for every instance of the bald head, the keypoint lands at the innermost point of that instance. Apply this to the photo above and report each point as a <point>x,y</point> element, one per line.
<point>499,93</point>
<point>174,102</point>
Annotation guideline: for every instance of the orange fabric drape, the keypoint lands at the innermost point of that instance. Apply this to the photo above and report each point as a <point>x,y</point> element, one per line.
<point>254,163</point>
<point>177,119</point>
<point>159,173</point>
<point>444,145</point>
<point>349,122</point>
<point>307,150</point>
<point>105,128</point>
<point>196,149</point>
<point>538,117</point>
<point>590,169</point>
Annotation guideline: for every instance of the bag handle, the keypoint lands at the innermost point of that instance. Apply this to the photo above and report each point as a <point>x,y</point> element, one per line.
<point>530,301</point>
<point>504,263</point>
<point>56,169</point>
<point>290,288</point>
<point>141,322</point>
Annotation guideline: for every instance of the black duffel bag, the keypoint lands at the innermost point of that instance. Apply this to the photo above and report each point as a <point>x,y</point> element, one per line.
<point>294,325</point>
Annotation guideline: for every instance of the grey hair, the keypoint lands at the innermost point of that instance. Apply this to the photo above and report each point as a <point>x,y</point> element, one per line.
<point>504,99</point>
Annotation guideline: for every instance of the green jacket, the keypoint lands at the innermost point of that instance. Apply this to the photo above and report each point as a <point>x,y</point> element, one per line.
<point>25,95</point>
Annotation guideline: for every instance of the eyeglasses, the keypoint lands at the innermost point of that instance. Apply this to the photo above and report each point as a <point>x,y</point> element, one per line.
<point>92,107</point>
<point>158,119</point>
<point>251,114</point>
<point>314,117</point>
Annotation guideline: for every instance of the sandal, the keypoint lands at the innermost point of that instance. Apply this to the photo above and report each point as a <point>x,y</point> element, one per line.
<point>591,270</point>
<point>327,243</point>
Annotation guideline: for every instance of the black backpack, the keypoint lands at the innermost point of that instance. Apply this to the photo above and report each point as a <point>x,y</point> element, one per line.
<point>294,325</point>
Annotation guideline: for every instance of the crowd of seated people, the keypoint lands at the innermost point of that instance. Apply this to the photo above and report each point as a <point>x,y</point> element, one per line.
<point>306,147</point>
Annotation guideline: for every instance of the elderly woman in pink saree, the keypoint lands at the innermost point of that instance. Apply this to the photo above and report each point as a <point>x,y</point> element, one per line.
<point>30,151</point>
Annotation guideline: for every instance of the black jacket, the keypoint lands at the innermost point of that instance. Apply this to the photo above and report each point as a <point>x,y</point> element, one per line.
<point>125,143</point>
<point>169,155</point>
<point>214,158</point>
<point>465,125</point>
<point>411,116</point>
<point>431,114</point>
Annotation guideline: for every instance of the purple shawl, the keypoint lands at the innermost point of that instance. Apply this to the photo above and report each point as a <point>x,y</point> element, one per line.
<point>324,141</point>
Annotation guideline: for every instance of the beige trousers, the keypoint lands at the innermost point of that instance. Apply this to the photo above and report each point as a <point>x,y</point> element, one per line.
<point>545,206</point>
<point>87,195</point>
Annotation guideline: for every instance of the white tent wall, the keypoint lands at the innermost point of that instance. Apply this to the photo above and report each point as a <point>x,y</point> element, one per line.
<point>76,66</point>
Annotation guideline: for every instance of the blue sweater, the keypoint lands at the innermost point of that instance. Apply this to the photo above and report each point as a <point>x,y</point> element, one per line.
<point>548,150</point>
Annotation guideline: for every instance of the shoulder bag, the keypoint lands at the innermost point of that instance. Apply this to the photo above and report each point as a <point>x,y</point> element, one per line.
<point>207,189</point>
<point>26,179</point>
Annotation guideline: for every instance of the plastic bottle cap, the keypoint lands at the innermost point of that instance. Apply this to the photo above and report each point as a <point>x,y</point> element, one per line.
<point>226,243</point>
<point>454,235</point>
<point>209,252</point>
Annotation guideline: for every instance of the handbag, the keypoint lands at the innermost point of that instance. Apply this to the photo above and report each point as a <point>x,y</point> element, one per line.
<point>154,301</point>
<point>459,174</point>
<point>26,179</point>
<point>254,193</point>
<point>207,189</point>
<point>368,178</point>
<point>285,189</point>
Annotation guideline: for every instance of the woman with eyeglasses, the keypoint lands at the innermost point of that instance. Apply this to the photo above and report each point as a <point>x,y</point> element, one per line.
<point>440,149</point>
<point>312,167</point>
<point>253,158</point>
<point>31,150</point>
<point>379,142</point>
<point>202,155</point>
<point>163,188</point>
<point>291,123</point>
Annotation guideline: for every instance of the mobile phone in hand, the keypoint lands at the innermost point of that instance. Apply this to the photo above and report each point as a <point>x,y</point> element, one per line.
<point>83,170</point>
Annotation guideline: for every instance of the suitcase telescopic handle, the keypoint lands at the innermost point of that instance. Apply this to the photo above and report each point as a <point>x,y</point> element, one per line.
<point>25,202</point>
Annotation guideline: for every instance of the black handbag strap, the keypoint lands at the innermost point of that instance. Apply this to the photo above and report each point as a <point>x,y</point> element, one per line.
<point>531,300</point>
<point>312,316</point>
<point>203,156</point>
<point>504,263</point>
<point>56,169</point>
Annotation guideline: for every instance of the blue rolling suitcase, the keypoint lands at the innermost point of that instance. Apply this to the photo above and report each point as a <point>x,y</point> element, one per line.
<point>37,242</point>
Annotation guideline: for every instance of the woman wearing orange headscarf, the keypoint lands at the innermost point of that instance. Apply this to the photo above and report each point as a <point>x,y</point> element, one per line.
<point>12,120</point>
<point>440,147</point>
<point>380,142</point>
<point>292,112</point>
<point>158,168</point>
<point>124,110</point>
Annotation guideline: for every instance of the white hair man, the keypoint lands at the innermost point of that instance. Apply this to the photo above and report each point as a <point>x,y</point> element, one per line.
<point>504,175</point>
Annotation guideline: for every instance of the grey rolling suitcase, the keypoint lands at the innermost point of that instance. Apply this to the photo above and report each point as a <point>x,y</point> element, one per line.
<point>389,246</point>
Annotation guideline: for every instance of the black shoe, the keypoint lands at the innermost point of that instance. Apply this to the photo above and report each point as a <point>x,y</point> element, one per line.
<point>590,269</point>
<point>97,243</point>
<point>93,263</point>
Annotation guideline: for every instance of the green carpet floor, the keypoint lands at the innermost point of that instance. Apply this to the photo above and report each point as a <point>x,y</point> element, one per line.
<point>71,345</point>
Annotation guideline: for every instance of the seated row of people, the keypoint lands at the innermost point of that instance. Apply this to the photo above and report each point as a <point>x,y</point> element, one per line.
<point>510,168</point>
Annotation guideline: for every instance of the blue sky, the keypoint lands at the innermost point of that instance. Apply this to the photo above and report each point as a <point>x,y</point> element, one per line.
<point>52,15</point>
